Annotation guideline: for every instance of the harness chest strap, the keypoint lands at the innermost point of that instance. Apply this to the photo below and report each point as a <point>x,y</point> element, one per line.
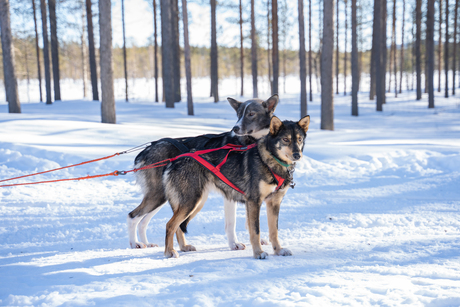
<point>216,169</point>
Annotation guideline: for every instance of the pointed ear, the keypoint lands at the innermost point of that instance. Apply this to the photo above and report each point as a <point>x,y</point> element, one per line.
<point>275,125</point>
<point>234,103</point>
<point>304,123</point>
<point>271,103</point>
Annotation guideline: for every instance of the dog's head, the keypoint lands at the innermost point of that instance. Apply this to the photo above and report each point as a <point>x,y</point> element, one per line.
<point>287,138</point>
<point>254,116</point>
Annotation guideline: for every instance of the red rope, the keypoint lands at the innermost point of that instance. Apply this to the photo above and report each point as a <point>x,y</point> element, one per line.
<point>165,162</point>
<point>115,173</point>
<point>60,168</point>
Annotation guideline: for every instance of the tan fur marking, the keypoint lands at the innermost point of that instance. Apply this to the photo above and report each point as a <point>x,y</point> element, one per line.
<point>304,123</point>
<point>266,189</point>
<point>273,206</point>
<point>253,211</point>
<point>275,125</point>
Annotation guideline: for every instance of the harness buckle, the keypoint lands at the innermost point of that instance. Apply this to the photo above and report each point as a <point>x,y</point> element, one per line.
<point>121,173</point>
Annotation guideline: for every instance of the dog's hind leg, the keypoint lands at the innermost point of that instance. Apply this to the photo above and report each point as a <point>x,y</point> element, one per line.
<point>143,226</point>
<point>132,234</point>
<point>230,225</point>
<point>180,233</point>
<point>149,206</point>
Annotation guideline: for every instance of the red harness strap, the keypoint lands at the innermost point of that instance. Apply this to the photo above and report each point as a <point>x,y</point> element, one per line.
<point>216,169</point>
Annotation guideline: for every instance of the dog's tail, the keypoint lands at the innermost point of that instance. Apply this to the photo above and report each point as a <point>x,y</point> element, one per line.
<point>184,224</point>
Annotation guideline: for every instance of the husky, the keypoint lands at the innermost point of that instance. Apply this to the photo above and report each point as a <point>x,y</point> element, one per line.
<point>253,123</point>
<point>262,173</point>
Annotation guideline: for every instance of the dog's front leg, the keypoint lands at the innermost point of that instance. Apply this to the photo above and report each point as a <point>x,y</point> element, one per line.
<point>230,225</point>
<point>253,212</point>
<point>273,209</point>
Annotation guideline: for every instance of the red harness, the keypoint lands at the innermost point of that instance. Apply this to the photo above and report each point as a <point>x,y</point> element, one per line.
<point>216,169</point>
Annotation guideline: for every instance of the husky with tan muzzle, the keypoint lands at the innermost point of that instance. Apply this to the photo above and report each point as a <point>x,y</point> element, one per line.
<point>261,173</point>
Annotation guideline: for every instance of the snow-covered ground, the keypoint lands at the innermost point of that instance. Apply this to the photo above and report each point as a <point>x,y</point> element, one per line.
<point>374,218</point>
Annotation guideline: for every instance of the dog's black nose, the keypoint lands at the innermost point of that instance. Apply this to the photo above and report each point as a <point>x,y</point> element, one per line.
<point>236,129</point>
<point>296,156</point>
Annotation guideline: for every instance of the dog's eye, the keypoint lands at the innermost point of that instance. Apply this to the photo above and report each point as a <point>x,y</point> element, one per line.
<point>286,140</point>
<point>251,114</point>
<point>300,140</point>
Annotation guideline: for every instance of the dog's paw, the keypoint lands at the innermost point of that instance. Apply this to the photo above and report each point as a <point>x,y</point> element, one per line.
<point>171,254</point>
<point>188,248</point>
<point>283,252</point>
<point>263,241</point>
<point>260,255</point>
<point>152,245</point>
<point>137,245</point>
<point>237,246</point>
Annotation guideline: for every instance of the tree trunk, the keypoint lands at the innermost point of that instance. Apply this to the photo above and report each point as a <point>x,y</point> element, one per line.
<point>337,59</point>
<point>269,64</point>
<point>394,48</point>
<point>155,50</point>
<point>327,50</point>
<point>188,69</point>
<point>454,60</point>
<point>37,50</point>
<point>167,56</point>
<point>354,61</point>
<point>440,46</point>
<point>46,53</point>
<point>107,91</point>
<point>54,49</point>
<point>302,64</point>
<point>345,60</point>
<point>253,52</point>
<point>430,51</point>
<point>176,49</point>
<point>84,68</point>
<point>375,52</point>
<point>418,56</point>
<point>241,50</point>
<point>125,66</point>
<point>446,52</point>
<point>401,62</point>
<point>383,47</point>
<point>9,74</point>
<point>26,61</point>
<point>214,56</point>
<point>275,53</point>
<point>92,52</point>
<point>309,50</point>
<point>380,54</point>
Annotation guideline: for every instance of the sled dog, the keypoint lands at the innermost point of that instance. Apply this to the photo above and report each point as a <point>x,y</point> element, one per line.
<point>253,123</point>
<point>262,173</point>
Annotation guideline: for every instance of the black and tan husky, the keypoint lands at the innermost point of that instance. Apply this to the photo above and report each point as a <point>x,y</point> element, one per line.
<point>257,172</point>
<point>253,123</point>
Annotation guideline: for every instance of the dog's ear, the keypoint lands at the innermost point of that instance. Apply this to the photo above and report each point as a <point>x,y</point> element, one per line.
<point>275,125</point>
<point>234,103</point>
<point>304,123</point>
<point>271,103</point>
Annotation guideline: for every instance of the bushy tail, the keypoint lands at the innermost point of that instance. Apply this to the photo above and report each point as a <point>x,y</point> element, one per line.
<point>184,224</point>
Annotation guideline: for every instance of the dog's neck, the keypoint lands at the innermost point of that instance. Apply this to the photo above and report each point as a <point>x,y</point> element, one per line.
<point>246,139</point>
<point>281,169</point>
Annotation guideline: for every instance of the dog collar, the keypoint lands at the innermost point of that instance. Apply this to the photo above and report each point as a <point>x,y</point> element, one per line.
<point>281,162</point>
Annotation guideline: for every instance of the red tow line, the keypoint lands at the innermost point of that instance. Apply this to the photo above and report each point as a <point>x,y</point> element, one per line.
<point>194,155</point>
